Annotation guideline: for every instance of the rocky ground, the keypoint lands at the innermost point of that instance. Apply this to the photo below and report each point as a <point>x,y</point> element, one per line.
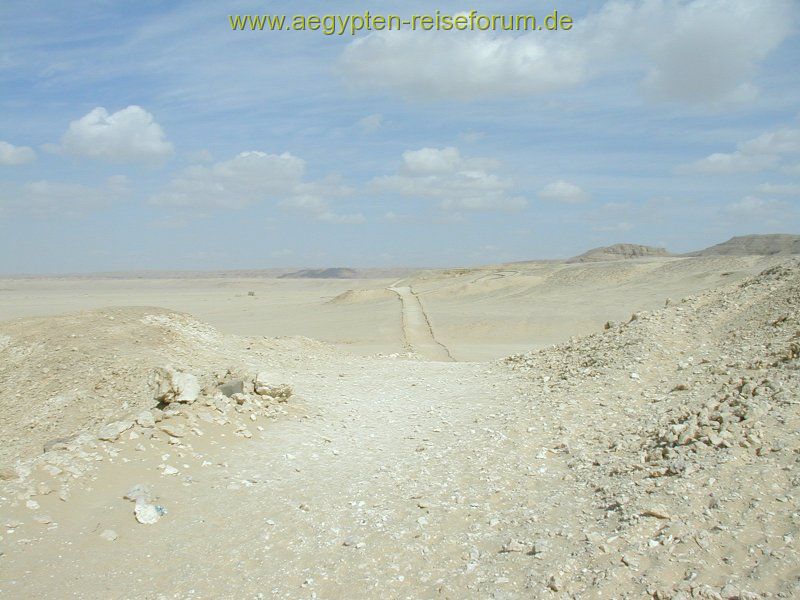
<point>148,456</point>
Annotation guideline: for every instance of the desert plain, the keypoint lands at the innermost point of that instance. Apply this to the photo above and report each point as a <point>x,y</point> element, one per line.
<point>624,424</point>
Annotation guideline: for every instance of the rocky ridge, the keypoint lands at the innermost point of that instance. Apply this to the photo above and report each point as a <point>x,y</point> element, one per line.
<point>618,252</point>
<point>683,425</point>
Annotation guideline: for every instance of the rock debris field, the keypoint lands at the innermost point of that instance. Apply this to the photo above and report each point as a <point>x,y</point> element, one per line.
<point>147,455</point>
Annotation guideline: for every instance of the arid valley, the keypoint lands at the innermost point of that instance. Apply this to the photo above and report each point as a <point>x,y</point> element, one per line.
<point>621,425</point>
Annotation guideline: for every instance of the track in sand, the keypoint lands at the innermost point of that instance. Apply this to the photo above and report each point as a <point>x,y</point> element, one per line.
<point>417,329</point>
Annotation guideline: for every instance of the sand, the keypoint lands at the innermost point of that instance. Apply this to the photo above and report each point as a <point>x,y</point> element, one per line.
<point>651,452</point>
<point>478,314</point>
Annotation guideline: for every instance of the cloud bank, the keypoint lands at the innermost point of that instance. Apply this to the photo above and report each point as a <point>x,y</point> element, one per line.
<point>699,52</point>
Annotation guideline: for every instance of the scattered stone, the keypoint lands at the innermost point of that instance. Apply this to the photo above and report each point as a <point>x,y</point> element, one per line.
<point>8,474</point>
<point>112,431</point>
<point>350,541</point>
<point>656,513</point>
<point>234,386</point>
<point>540,547</point>
<point>146,419</point>
<point>140,493</point>
<point>629,561</point>
<point>174,429</point>
<point>555,583</point>
<point>515,546</point>
<point>57,444</point>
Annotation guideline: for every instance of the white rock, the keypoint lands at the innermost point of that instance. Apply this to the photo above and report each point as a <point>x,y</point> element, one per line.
<point>515,546</point>
<point>173,429</point>
<point>139,493</point>
<point>263,387</point>
<point>146,419</point>
<point>175,386</point>
<point>148,514</point>
<point>112,431</point>
<point>109,534</point>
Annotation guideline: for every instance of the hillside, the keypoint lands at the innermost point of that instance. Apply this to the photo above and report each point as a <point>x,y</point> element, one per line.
<point>754,245</point>
<point>348,273</point>
<point>618,252</point>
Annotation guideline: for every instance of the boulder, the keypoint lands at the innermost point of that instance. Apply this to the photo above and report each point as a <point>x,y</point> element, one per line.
<point>264,387</point>
<point>175,386</point>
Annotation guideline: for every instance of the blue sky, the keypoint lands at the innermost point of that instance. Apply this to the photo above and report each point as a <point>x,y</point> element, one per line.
<point>149,135</point>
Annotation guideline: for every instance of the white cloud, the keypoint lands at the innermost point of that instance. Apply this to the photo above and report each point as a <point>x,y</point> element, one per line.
<point>721,163</point>
<point>563,191</point>
<point>761,153</point>
<point>11,155</point>
<point>246,179</point>
<point>702,51</point>
<point>456,183</point>
<point>309,201</point>
<point>461,66</point>
<point>710,49</point>
<point>753,207</point>
<point>432,161</point>
<point>371,123</point>
<point>48,198</point>
<point>789,189</point>
<point>254,177</point>
<point>128,135</point>
<point>781,141</point>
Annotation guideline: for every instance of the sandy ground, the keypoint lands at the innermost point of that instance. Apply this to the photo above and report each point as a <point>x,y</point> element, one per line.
<point>279,307</point>
<point>654,458</point>
<point>478,314</point>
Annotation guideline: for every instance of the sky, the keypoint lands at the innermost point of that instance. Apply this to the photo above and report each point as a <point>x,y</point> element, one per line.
<point>150,136</point>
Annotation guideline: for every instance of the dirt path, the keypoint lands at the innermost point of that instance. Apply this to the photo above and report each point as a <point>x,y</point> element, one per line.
<point>417,328</point>
<point>395,480</point>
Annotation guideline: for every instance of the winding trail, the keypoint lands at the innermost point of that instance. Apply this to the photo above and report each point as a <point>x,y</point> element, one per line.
<point>417,329</point>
